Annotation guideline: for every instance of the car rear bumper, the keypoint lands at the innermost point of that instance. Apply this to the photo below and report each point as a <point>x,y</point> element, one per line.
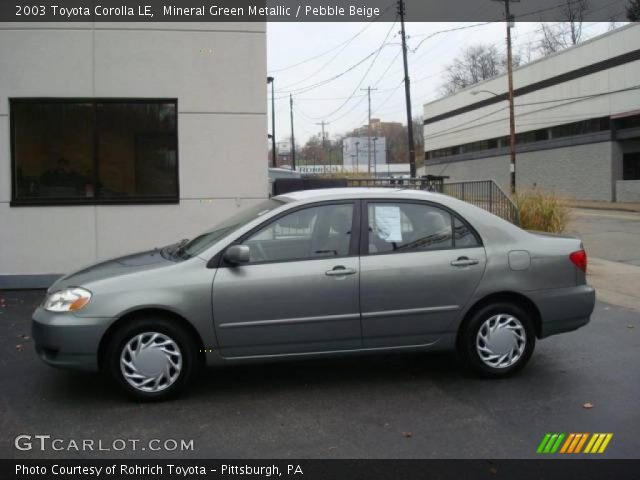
<point>564,309</point>
<point>66,341</point>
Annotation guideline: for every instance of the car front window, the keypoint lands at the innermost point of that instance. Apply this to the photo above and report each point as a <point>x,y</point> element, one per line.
<point>200,243</point>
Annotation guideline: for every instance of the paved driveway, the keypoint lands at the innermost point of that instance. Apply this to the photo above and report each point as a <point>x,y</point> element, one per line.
<point>608,234</point>
<point>380,407</point>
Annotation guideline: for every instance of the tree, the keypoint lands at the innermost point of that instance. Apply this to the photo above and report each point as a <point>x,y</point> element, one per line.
<point>558,36</point>
<point>475,64</point>
<point>633,11</point>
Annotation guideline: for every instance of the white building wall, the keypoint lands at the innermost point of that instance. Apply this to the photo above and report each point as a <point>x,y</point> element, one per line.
<point>558,108</point>
<point>218,74</point>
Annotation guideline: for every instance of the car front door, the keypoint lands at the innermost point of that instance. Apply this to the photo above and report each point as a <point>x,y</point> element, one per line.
<point>299,291</point>
<point>420,265</point>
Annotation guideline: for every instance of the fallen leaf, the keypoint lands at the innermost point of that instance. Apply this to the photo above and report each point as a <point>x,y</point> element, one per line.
<point>587,405</point>
<point>630,326</point>
<point>407,434</point>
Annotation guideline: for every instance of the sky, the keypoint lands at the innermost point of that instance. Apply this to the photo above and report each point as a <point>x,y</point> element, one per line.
<point>304,58</point>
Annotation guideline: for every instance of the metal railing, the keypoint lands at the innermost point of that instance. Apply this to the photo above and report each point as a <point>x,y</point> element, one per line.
<point>485,194</point>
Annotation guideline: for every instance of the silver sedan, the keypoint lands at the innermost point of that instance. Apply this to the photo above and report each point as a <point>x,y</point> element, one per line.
<point>319,273</point>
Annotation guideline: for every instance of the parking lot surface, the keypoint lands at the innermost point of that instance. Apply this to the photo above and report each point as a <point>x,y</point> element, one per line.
<point>393,406</point>
<point>610,235</point>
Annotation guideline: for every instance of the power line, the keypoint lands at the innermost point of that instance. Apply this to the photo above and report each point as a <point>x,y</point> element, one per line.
<point>335,47</point>
<point>571,100</point>
<point>355,90</point>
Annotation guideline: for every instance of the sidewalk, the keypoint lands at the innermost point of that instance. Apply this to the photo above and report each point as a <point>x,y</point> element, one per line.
<point>622,207</point>
<point>615,282</point>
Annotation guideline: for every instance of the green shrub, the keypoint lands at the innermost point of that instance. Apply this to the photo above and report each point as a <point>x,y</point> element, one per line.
<point>541,211</point>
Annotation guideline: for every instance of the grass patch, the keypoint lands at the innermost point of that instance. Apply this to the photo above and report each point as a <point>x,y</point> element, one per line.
<point>542,211</point>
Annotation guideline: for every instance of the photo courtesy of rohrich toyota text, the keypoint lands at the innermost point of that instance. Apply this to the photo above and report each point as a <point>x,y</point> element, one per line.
<point>353,239</point>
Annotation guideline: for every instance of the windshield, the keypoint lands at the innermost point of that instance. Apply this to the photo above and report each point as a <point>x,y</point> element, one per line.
<point>189,248</point>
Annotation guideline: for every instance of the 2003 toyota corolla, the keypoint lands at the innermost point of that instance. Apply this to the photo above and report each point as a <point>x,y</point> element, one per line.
<point>316,273</point>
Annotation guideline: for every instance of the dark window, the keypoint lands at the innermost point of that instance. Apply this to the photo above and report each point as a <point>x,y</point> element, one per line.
<point>464,237</point>
<point>315,232</point>
<point>631,166</point>
<point>628,122</point>
<point>94,151</point>
<point>580,128</point>
<point>540,135</point>
<point>408,227</point>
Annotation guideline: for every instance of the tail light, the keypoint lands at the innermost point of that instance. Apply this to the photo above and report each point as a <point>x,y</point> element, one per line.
<point>579,259</point>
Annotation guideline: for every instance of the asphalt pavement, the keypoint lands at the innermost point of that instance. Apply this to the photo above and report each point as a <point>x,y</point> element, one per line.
<point>392,406</point>
<point>611,235</point>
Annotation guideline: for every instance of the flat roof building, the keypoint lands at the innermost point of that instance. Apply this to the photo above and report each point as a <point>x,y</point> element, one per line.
<point>117,137</point>
<point>577,116</point>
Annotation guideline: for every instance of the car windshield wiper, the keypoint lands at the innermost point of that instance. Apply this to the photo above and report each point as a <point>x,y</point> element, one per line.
<point>179,251</point>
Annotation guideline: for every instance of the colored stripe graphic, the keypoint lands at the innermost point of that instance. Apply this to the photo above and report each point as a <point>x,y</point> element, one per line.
<point>598,443</point>
<point>574,443</point>
<point>550,443</point>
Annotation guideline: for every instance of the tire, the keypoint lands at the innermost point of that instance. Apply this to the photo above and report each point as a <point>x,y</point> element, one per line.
<point>157,349</point>
<point>505,344</point>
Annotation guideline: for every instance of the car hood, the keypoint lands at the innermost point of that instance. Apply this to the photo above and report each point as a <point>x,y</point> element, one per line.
<point>112,268</point>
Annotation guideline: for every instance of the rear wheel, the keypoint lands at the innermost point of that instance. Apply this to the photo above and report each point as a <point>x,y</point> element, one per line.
<point>151,358</point>
<point>498,340</point>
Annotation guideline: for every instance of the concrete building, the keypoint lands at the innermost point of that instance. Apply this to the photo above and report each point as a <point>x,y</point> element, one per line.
<point>355,152</point>
<point>117,137</point>
<point>577,123</point>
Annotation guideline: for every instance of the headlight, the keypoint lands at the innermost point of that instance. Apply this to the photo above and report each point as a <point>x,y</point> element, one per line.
<point>67,300</point>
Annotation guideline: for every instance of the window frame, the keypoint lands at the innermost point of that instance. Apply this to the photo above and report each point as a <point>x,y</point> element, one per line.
<point>354,244</point>
<point>96,200</point>
<point>364,226</point>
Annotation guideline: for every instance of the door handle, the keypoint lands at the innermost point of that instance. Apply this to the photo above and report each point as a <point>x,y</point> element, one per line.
<point>339,270</point>
<point>464,262</point>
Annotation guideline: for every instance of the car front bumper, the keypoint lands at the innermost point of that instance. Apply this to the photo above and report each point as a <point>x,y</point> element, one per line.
<point>564,309</point>
<point>66,341</point>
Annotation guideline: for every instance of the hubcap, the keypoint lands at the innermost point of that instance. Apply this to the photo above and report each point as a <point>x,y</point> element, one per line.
<point>501,341</point>
<point>151,362</point>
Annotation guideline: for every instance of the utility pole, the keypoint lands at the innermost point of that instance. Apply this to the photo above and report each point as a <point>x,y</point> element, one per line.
<point>324,147</point>
<point>375,158</point>
<point>407,92</point>
<point>293,138</point>
<point>512,116</point>
<point>273,123</point>
<point>368,89</point>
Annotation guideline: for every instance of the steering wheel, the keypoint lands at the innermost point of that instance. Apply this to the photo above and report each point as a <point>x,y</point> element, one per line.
<point>262,255</point>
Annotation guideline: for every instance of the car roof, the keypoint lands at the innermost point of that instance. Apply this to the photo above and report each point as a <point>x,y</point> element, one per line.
<point>355,192</point>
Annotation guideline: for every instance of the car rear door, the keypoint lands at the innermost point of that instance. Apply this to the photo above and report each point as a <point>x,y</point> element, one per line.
<point>300,291</point>
<point>420,264</point>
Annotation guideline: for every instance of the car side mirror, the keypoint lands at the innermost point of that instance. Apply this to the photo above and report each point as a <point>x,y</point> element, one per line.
<point>237,254</point>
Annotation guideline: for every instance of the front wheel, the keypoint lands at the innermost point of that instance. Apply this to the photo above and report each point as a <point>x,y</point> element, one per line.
<point>151,358</point>
<point>498,340</point>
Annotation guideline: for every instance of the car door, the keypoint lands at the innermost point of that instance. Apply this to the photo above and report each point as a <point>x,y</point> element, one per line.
<point>299,291</point>
<point>420,264</point>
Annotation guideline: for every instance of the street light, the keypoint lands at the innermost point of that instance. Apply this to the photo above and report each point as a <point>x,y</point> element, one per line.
<point>512,135</point>
<point>476,92</point>
<point>357,156</point>
<point>273,123</point>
